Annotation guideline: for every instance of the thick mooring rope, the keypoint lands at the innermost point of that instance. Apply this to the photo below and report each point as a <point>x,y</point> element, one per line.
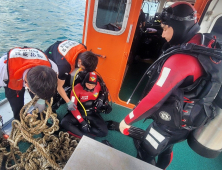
<point>46,152</point>
<point>3,144</point>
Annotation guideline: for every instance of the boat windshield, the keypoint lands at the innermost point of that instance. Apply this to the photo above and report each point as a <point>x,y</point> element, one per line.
<point>150,9</point>
<point>110,14</point>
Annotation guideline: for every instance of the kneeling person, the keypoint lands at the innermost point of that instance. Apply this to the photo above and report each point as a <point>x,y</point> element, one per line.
<point>88,93</point>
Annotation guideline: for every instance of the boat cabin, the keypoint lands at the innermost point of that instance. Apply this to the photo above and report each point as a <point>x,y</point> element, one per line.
<point>111,29</point>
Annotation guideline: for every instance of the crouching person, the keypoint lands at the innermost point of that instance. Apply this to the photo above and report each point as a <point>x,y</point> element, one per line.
<point>79,123</point>
<point>27,67</point>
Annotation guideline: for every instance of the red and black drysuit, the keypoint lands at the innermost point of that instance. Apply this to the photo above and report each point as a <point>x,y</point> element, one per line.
<point>179,70</point>
<point>71,122</point>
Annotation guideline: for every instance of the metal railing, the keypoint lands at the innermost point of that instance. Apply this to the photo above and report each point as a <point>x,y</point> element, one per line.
<point>2,96</point>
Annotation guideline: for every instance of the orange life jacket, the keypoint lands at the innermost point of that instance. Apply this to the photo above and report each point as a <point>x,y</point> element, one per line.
<point>21,59</point>
<point>70,50</point>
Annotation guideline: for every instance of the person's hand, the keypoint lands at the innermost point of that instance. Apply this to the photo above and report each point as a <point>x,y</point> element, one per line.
<point>40,104</point>
<point>71,106</point>
<point>99,103</point>
<point>123,126</point>
<point>85,126</point>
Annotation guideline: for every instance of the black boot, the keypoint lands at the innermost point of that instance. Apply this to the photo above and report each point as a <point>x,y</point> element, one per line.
<point>112,125</point>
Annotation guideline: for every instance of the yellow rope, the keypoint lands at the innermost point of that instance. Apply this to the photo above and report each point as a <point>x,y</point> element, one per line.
<point>75,93</point>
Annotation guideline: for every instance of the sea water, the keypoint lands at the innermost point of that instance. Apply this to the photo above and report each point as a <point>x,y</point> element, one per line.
<point>39,23</point>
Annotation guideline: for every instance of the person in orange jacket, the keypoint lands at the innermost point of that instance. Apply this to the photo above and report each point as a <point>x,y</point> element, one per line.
<point>69,55</point>
<point>31,68</point>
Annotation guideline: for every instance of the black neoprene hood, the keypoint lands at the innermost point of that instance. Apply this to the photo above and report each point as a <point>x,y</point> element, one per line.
<point>181,16</point>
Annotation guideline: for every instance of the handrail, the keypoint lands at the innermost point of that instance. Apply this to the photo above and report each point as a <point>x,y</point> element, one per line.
<point>3,101</point>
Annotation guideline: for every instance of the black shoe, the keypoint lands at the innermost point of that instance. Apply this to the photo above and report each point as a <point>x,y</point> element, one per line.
<point>106,142</point>
<point>112,125</point>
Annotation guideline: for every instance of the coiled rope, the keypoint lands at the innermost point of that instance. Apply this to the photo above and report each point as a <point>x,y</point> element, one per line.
<point>46,152</point>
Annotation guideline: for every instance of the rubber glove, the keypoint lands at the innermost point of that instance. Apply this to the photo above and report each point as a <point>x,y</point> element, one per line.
<point>71,106</point>
<point>85,126</point>
<point>40,104</point>
<point>99,103</point>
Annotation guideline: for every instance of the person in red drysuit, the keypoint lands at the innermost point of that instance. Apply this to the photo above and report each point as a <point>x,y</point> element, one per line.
<point>90,95</point>
<point>179,25</point>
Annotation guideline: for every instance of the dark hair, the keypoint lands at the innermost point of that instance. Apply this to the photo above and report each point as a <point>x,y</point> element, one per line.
<point>89,60</point>
<point>42,81</point>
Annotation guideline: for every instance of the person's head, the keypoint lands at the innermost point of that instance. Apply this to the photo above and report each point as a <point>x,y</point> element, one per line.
<point>90,81</point>
<point>87,61</point>
<point>42,81</point>
<point>179,23</point>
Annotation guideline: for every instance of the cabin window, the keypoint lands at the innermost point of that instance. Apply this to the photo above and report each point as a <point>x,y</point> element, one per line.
<point>111,16</point>
<point>217,31</point>
<point>149,8</point>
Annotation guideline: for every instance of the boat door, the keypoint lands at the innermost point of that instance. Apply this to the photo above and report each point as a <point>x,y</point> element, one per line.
<point>211,22</point>
<point>109,28</point>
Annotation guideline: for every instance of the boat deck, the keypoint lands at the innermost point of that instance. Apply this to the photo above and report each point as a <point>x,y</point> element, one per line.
<point>89,150</point>
<point>184,157</point>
